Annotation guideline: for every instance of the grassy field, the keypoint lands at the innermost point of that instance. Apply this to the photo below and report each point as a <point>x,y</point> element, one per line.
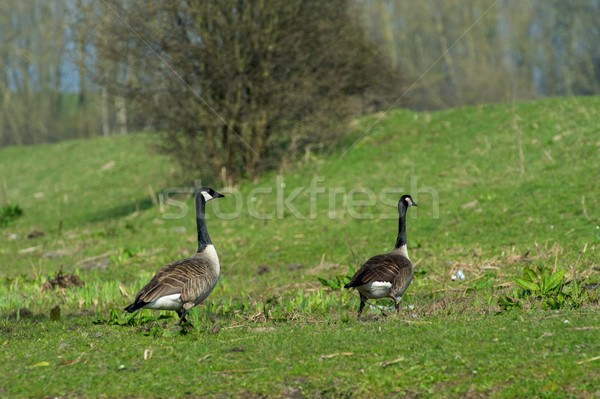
<point>500,188</point>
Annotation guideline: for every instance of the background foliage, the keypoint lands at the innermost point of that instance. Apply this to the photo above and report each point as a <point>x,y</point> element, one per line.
<point>282,77</point>
<point>249,82</point>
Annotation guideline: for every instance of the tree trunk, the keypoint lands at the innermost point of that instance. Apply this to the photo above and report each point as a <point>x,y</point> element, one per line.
<point>120,115</point>
<point>104,112</point>
<point>213,151</point>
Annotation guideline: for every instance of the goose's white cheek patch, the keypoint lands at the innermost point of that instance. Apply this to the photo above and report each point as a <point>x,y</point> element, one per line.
<point>376,289</point>
<point>207,196</point>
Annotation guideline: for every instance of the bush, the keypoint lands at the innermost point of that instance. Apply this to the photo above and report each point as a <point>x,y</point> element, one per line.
<point>238,86</point>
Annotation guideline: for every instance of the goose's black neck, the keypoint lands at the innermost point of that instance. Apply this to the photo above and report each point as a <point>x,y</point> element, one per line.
<point>203,237</point>
<point>401,226</point>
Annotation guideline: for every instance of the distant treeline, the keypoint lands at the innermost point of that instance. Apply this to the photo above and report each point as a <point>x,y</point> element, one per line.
<point>252,79</point>
<point>474,51</point>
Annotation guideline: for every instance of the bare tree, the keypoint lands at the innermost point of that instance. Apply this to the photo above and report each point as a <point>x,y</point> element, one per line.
<point>238,85</point>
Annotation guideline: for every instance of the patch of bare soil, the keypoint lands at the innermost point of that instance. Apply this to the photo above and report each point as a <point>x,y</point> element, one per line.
<point>35,234</point>
<point>62,280</point>
<point>22,313</point>
<point>262,269</point>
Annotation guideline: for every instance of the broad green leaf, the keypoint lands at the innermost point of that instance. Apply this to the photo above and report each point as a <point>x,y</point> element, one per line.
<point>527,284</point>
<point>567,289</point>
<point>571,289</point>
<point>550,303</point>
<point>529,275</point>
<point>507,303</point>
<point>554,280</point>
<point>544,281</point>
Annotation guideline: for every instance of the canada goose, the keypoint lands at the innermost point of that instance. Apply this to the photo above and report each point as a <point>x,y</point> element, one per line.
<point>386,275</point>
<point>183,284</point>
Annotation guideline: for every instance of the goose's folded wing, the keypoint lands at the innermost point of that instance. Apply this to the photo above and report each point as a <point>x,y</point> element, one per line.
<point>174,278</point>
<point>384,267</point>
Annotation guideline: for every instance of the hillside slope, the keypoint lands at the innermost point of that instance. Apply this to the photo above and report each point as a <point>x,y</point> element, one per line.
<point>489,180</point>
<point>499,188</point>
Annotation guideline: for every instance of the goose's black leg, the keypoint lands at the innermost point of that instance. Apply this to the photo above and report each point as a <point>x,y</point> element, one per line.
<point>362,305</point>
<point>182,318</point>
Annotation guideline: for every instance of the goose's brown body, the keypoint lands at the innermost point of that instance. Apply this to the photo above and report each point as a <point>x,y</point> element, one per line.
<point>184,283</point>
<point>391,268</point>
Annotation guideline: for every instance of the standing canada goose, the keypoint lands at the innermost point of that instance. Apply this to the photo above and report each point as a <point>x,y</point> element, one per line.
<point>386,275</point>
<point>183,284</point>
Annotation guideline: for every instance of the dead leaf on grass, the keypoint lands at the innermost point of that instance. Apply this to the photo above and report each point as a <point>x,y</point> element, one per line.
<point>385,364</point>
<point>27,250</point>
<point>205,357</point>
<point>69,362</point>
<point>323,357</point>
<point>108,165</point>
<point>589,360</point>
<point>124,291</point>
<point>469,204</point>
<point>147,354</point>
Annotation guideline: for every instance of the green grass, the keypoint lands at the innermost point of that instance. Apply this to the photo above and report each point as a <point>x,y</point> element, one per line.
<point>517,355</point>
<point>499,188</point>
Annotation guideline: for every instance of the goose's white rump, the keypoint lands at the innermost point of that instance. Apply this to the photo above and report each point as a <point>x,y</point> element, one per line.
<point>376,289</point>
<point>167,302</point>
